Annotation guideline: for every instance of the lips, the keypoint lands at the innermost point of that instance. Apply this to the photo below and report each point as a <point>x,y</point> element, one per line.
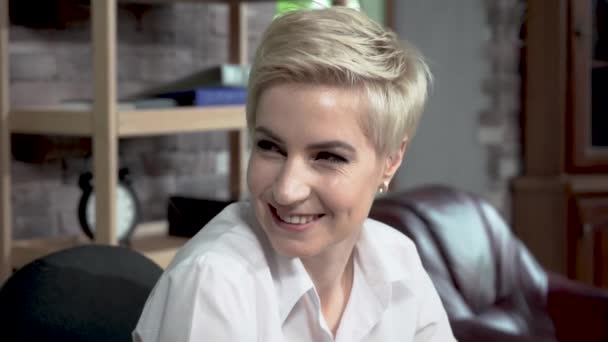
<point>294,220</point>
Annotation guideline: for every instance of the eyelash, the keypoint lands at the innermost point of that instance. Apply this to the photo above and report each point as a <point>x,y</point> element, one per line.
<point>269,146</point>
<point>331,157</point>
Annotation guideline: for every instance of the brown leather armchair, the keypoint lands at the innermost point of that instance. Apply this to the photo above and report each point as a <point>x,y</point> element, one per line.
<point>491,286</point>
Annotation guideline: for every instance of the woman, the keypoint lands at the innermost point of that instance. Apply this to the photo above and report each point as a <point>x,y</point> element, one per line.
<point>333,102</point>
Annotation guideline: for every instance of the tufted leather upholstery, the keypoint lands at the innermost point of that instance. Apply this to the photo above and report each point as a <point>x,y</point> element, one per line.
<point>491,286</point>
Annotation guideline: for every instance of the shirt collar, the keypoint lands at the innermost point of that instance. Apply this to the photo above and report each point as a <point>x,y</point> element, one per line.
<point>290,278</point>
<point>378,266</point>
<point>291,281</point>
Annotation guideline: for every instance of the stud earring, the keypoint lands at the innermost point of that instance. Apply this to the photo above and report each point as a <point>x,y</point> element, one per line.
<point>383,188</point>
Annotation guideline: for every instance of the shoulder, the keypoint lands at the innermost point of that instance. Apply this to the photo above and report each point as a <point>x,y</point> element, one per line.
<point>390,240</point>
<point>212,275</point>
<point>388,256</point>
<point>396,256</point>
<point>207,281</point>
<point>230,242</point>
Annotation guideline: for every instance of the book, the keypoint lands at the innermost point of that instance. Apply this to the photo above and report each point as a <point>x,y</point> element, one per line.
<point>123,105</point>
<point>209,96</point>
<point>222,75</point>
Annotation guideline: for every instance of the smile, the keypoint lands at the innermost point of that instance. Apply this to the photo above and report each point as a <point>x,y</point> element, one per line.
<point>298,219</point>
<point>294,219</point>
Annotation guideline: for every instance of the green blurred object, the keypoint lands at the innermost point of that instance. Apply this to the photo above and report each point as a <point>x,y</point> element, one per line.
<point>284,6</point>
<point>373,8</point>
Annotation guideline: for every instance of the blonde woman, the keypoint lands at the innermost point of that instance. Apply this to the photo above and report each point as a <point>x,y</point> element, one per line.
<point>333,102</point>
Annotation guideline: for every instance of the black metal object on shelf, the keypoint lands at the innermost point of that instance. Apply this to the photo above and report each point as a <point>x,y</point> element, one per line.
<point>187,215</point>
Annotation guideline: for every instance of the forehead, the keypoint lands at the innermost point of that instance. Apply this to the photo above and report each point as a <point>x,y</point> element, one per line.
<point>313,112</point>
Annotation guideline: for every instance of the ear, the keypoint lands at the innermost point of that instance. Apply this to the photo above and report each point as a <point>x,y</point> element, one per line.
<point>393,161</point>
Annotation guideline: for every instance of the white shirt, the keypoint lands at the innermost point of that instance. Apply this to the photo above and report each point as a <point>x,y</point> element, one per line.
<point>228,284</point>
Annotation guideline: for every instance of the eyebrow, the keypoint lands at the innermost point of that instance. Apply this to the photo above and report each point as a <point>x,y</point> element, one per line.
<point>332,144</point>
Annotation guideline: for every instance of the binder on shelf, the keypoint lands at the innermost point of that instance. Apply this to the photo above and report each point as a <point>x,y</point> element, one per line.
<point>209,96</point>
<point>222,75</point>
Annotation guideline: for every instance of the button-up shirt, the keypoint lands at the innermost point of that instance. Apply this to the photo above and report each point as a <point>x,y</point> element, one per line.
<point>228,284</point>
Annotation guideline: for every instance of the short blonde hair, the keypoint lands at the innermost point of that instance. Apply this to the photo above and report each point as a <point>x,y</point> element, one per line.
<point>342,47</point>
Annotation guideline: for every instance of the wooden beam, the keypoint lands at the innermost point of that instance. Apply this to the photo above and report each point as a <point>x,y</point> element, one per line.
<point>389,14</point>
<point>105,142</point>
<point>6,228</point>
<point>546,77</point>
<point>238,138</point>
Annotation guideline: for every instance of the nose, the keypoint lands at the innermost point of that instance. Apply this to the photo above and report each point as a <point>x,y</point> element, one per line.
<point>292,184</point>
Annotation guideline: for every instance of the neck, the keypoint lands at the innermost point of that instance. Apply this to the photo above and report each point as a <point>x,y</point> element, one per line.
<point>328,276</point>
<point>332,274</point>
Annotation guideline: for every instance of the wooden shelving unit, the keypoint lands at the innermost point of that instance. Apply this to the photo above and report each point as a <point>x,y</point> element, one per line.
<point>105,124</point>
<point>132,123</point>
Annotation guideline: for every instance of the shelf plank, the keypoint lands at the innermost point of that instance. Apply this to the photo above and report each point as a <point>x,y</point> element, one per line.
<point>159,248</point>
<point>51,120</point>
<point>150,239</point>
<point>131,123</point>
<point>588,183</point>
<point>180,120</point>
<point>26,251</point>
<point>596,64</point>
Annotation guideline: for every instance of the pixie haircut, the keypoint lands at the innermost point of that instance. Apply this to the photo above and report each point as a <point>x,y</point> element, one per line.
<point>342,47</point>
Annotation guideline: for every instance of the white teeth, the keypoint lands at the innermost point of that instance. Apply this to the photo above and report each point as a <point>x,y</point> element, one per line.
<point>298,219</point>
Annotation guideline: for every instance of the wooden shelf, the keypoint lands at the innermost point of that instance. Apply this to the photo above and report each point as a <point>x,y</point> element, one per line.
<point>105,123</point>
<point>25,251</point>
<point>596,63</point>
<point>51,120</point>
<point>66,121</point>
<point>161,248</point>
<point>179,120</point>
<point>152,241</point>
<point>588,183</point>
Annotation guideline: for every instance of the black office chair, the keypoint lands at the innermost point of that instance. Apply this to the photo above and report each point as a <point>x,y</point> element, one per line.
<point>87,293</point>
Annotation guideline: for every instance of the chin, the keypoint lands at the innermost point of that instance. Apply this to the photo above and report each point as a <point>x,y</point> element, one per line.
<point>293,249</point>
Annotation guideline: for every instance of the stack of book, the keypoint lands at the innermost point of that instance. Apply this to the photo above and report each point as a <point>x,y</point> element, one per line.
<point>221,85</point>
<point>224,84</point>
<point>123,105</point>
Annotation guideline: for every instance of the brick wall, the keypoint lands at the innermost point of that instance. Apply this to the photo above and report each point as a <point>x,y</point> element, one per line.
<point>169,41</point>
<point>499,122</point>
<point>158,44</point>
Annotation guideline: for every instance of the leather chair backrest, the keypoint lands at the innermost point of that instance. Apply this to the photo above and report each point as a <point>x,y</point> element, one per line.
<point>481,271</point>
<point>88,293</point>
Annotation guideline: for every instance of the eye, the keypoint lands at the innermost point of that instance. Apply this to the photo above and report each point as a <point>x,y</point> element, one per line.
<point>269,146</point>
<point>330,157</point>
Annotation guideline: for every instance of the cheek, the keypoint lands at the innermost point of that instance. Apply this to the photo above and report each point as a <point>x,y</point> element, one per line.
<point>259,174</point>
<point>352,193</point>
<point>252,174</point>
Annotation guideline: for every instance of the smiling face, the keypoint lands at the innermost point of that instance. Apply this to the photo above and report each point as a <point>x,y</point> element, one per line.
<point>313,173</point>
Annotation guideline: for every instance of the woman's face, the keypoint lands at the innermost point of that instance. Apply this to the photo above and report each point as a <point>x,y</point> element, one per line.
<point>312,173</point>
